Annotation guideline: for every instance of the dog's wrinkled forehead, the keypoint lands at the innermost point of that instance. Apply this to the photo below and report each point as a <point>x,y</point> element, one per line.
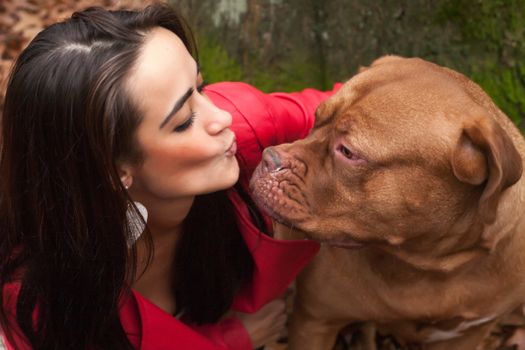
<point>409,84</point>
<point>417,92</point>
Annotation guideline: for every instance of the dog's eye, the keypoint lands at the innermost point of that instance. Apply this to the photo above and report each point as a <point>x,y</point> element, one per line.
<point>346,152</point>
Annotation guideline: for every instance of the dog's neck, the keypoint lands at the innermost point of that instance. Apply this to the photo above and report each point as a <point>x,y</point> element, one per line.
<point>466,246</point>
<point>425,262</point>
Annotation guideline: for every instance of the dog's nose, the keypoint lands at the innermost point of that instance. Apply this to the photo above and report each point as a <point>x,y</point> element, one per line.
<point>271,159</point>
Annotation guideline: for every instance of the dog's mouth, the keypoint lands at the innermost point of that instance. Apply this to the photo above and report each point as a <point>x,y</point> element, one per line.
<point>339,242</point>
<point>273,213</point>
<point>278,193</point>
<point>347,243</point>
<point>278,196</point>
<point>345,240</point>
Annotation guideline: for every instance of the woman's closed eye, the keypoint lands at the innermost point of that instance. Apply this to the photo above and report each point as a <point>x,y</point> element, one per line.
<point>187,123</point>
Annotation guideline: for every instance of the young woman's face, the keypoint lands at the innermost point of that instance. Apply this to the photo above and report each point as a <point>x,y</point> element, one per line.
<point>187,146</point>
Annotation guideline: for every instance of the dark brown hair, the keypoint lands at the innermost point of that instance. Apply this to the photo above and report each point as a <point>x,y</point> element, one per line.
<point>67,122</point>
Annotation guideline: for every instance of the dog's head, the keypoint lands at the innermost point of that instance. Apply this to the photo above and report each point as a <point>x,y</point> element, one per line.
<point>405,154</point>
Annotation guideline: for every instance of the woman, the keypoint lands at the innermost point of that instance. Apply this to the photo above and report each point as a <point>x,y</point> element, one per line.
<point>107,110</point>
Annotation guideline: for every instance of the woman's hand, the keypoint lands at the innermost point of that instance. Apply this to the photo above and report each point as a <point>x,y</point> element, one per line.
<point>266,325</point>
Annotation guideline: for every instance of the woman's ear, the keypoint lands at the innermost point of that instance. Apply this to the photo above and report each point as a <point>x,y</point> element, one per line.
<point>126,176</point>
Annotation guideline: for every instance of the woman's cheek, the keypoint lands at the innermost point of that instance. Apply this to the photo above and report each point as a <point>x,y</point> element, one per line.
<point>191,155</point>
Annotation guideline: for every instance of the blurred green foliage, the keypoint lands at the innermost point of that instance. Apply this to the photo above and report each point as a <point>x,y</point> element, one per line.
<point>289,45</point>
<point>292,74</point>
<point>493,33</point>
<point>216,63</point>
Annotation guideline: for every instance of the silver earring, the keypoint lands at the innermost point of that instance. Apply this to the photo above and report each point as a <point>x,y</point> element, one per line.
<point>137,219</point>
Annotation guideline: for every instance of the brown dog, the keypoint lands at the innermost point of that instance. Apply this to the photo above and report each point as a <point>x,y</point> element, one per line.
<point>412,178</point>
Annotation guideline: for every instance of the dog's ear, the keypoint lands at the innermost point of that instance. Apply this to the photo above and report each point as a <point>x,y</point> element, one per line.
<point>486,155</point>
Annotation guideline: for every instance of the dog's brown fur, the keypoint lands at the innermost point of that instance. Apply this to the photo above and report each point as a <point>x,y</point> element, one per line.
<point>423,226</point>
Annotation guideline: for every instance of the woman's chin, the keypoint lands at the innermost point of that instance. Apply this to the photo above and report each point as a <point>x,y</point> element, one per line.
<point>226,179</point>
<point>232,175</point>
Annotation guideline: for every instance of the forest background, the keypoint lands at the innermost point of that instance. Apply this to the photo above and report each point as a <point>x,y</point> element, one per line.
<point>288,45</point>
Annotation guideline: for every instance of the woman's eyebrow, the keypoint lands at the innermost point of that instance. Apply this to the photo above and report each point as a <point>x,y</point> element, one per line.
<point>180,102</point>
<point>178,105</point>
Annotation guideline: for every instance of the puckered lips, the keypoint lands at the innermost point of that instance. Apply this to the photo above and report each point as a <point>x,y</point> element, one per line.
<point>232,149</point>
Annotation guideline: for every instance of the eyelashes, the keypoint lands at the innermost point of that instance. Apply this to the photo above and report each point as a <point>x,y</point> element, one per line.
<point>186,124</point>
<point>201,87</point>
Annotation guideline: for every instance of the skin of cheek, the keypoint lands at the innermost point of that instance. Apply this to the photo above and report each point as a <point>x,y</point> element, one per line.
<point>181,170</point>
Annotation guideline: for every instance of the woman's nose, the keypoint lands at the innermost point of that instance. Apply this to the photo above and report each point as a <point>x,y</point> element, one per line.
<point>218,119</point>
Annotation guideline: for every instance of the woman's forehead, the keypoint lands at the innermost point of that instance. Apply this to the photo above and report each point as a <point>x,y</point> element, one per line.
<point>163,72</point>
<point>163,52</point>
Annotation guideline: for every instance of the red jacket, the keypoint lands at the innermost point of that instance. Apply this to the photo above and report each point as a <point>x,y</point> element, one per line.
<point>259,120</point>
